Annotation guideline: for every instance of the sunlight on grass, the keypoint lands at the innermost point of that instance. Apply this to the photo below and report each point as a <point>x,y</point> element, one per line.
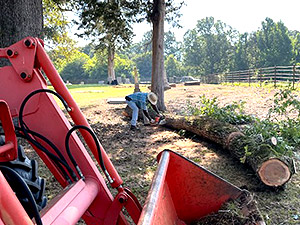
<point>86,95</point>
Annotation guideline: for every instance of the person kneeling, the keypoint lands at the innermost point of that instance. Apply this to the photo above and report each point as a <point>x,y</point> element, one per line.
<point>138,101</point>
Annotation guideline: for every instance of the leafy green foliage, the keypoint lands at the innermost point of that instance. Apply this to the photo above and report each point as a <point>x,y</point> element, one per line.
<point>279,125</point>
<point>106,22</point>
<point>209,46</point>
<point>74,71</point>
<point>124,67</point>
<point>55,28</point>
<point>264,132</point>
<point>173,66</point>
<point>232,113</point>
<point>214,47</point>
<point>278,133</point>
<point>91,66</point>
<point>144,65</point>
<point>274,44</point>
<point>285,102</point>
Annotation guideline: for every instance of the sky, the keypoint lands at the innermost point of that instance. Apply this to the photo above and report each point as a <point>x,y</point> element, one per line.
<point>242,15</point>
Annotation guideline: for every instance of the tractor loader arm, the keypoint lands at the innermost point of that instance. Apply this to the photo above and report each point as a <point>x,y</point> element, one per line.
<point>181,192</point>
<point>90,198</point>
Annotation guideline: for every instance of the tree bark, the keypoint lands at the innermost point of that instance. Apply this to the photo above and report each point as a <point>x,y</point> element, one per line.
<point>157,19</point>
<point>273,170</point>
<point>111,63</point>
<point>19,19</point>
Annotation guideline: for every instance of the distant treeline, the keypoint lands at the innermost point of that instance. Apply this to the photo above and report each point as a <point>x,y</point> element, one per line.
<point>211,47</point>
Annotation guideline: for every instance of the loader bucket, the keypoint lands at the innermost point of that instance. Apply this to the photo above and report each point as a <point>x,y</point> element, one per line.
<point>183,192</point>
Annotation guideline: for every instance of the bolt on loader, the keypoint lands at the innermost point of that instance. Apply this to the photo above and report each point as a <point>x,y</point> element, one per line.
<point>182,192</point>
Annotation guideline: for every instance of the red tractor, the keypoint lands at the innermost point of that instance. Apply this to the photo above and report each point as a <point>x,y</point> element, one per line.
<point>182,192</point>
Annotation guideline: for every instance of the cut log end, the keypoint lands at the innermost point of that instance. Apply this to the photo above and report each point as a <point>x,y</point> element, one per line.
<point>274,173</point>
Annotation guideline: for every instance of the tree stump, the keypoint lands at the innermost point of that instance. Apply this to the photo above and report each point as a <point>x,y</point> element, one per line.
<point>272,170</point>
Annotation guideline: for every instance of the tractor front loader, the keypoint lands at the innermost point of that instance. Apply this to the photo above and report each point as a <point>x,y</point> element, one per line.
<point>182,192</point>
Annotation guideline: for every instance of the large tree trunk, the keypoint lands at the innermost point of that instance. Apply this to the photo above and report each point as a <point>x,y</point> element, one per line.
<point>111,63</point>
<point>157,19</point>
<point>19,19</point>
<point>273,170</point>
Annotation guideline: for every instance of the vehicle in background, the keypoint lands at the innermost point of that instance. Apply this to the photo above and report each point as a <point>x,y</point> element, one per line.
<point>188,79</point>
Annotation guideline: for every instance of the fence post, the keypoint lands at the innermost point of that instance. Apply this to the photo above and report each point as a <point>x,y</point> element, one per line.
<point>259,77</point>
<point>294,71</point>
<point>275,74</point>
<point>249,77</point>
<point>232,78</point>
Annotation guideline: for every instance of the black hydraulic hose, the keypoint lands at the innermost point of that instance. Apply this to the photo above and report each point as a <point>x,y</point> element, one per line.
<point>53,157</point>
<point>27,130</point>
<point>76,127</point>
<point>22,123</point>
<point>25,188</point>
<point>58,161</point>
<point>45,140</point>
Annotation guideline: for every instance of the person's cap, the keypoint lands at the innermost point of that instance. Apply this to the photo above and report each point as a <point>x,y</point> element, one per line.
<point>152,98</point>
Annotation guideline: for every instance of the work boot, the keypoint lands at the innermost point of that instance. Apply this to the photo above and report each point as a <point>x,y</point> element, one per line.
<point>132,127</point>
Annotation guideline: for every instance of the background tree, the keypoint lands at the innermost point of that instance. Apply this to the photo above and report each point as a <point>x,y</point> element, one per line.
<point>173,67</point>
<point>124,66</point>
<point>193,53</point>
<point>59,45</point>
<point>241,61</point>
<point>74,70</point>
<point>172,47</point>
<point>158,67</point>
<point>274,44</point>
<point>97,66</point>
<point>108,24</point>
<point>155,12</point>
<point>209,48</point>
<point>295,39</point>
<point>144,65</point>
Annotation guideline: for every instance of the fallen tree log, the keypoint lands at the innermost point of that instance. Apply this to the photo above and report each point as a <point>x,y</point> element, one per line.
<point>272,170</point>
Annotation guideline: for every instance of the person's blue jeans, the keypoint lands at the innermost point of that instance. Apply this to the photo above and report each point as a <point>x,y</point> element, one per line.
<point>135,112</point>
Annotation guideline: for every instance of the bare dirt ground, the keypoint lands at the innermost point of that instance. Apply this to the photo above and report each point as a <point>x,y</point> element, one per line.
<point>134,153</point>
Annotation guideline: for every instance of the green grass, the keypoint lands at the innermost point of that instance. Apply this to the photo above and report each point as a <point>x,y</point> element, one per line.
<point>89,94</point>
<point>269,85</point>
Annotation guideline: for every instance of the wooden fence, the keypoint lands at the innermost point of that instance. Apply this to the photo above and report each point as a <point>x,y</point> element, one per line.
<point>273,75</point>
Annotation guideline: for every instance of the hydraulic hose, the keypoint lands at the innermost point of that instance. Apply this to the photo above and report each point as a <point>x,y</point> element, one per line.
<point>76,127</point>
<point>26,131</point>
<point>57,161</point>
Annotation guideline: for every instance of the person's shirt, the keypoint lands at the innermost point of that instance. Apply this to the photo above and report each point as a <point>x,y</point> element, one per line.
<point>140,99</point>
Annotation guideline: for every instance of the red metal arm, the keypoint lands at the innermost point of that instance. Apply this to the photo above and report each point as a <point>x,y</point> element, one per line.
<point>76,114</point>
<point>8,151</point>
<point>11,210</point>
<point>43,115</point>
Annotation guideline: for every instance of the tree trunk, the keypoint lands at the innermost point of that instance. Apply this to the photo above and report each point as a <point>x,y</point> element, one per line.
<point>166,82</point>
<point>273,170</point>
<point>20,19</point>
<point>157,19</point>
<point>111,63</point>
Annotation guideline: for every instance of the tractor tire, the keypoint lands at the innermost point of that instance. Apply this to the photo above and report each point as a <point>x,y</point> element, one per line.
<point>28,170</point>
